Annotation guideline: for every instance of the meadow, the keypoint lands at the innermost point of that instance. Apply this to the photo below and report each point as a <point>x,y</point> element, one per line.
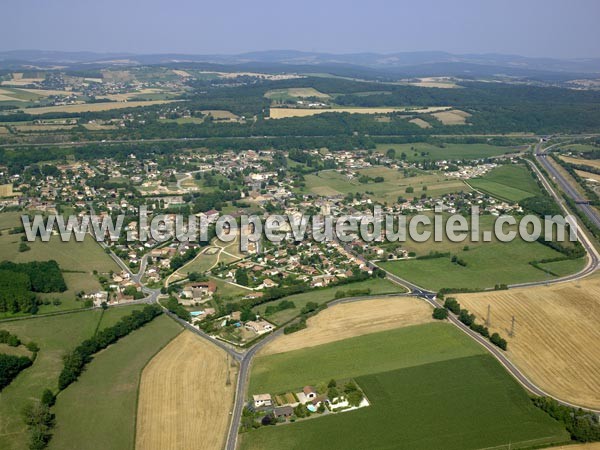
<point>90,107</point>
<point>410,376</point>
<point>331,183</point>
<point>320,296</point>
<point>280,95</point>
<point>77,260</point>
<point>55,335</point>
<point>508,182</point>
<point>488,264</point>
<point>107,418</point>
<point>282,113</point>
<point>420,151</point>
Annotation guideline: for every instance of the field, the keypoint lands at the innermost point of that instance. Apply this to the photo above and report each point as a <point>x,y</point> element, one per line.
<point>10,220</point>
<point>106,419</point>
<point>465,403</point>
<point>328,183</point>
<point>442,395</point>
<point>453,117</point>
<point>282,113</point>
<point>88,107</point>
<point>434,82</point>
<point>595,163</point>
<point>377,286</point>
<point>184,401</point>
<point>588,176</point>
<point>362,355</point>
<point>555,326</point>
<point>34,128</point>
<point>219,114</point>
<point>508,182</point>
<point>55,336</point>
<point>488,264</point>
<point>78,259</point>
<point>347,320</point>
<point>420,122</point>
<point>294,93</point>
<point>420,151</point>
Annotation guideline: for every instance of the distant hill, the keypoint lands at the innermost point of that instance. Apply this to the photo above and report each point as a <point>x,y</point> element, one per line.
<point>372,65</point>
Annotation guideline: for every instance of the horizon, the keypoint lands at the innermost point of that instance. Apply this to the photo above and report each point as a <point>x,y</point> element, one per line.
<point>560,30</point>
<point>292,50</point>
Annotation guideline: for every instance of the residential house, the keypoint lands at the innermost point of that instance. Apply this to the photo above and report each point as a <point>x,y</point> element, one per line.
<point>262,400</point>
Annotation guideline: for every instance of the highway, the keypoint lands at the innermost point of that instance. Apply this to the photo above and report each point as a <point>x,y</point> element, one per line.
<point>542,159</point>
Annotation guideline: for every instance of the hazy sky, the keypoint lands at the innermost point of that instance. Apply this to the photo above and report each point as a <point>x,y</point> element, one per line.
<point>567,28</point>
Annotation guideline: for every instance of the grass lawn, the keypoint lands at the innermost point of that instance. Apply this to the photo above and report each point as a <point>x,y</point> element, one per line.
<point>106,419</point>
<point>330,182</point>
<point>488,264</point>
<point>228,290</point>
<point>509,182</point>
<point>55,335</point>
<point>464,403</point>
<point>377,286</point>
<point>449,151</point>
<point>358,356</point>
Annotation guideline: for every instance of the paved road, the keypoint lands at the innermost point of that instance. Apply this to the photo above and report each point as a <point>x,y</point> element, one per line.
<point>542,159</point>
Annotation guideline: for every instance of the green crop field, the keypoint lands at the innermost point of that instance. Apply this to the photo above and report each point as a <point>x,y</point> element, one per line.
<point>106,419</point>
<point>449,151</point>
<point>566,267</point>
<point>362,355</point>
<point>512,183</point>
<point>377,286</point>
<point>55,335</point>
<point>488,264</point>
<point>329,182</point>
<point>461,403</point>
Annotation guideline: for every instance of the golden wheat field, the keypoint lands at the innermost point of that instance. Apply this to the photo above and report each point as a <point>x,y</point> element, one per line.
<point>282,113</point>
<point>88,107</point>
<point>184,401</point>
<point>588,176</point>
<point>347,320</point>
<point>556,334</point>
<point>595,163</point>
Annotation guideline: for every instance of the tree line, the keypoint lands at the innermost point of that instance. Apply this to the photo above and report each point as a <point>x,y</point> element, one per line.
<point>75,361</point>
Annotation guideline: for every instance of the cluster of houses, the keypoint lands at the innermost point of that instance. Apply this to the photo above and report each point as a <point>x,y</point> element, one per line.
<point>283,407</point>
